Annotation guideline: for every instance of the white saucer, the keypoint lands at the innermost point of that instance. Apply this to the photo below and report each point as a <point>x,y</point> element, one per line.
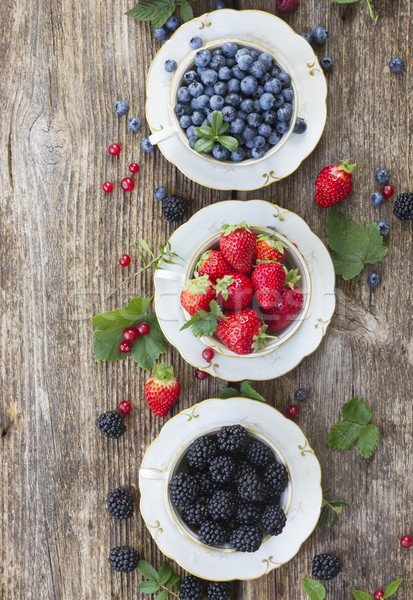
<point>169,280</point>
<point>280,40</point>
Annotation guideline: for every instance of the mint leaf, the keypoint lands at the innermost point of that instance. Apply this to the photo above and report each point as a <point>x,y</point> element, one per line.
<point>368,440</point>
<point>187,14</point>
<point>203,322</point>
<point>392,588</point>
<point>216,121</point>
<point>353,245</point>
<point>147,570</point>
<point>357,411</point>
<point>147,348</point>
<point>164,574</point>
<point>156,11</point>
<point>249,392</point>
<point>229,392</point>
<point>121,317</point>
<point>229,142</point>
<point>359,595</point>
<point>314,589</point>
<point>204,145</point>
<point>343,435</point>
<point>162,595</point>
<point>148,587</point>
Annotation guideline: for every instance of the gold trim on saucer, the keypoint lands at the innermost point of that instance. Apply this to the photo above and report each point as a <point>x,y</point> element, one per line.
<point>320,324</point>
<point>311,66</point>
<point>268,177</point>
<point>268,561</point>
<point>157,527</point>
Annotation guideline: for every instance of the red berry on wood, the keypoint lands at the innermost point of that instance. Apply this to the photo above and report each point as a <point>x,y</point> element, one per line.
<point>406,541</point>
<point>387,191</point>
<point>124,260</point>
<point>124,347</point>
<point>114,149</point>
<point>125,408</point>
<point>129,334</point>
<point>107,187</point>
<point>208,354</point>
<point>293,411</point>
<point>127,184</point>
<point>133,167</point>
<point>201,374</point>
<point>378,595</point>
<point>143,328</point>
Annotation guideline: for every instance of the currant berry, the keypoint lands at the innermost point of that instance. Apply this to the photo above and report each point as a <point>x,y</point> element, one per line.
<point>208,354</point>
<point>293,411</point>
<point>133,167</point>
<point>125,408</point>
<point>107,187</point>
<point>378,595</point>
<point>406,541</point>
<point>143,328</point>
<point>124,260</point>
<point>201,374</point>
<point>124,347</point>
<point>127,184</point>
<point>129,334</point>
<point>114,149</point>
<point>387,191</point>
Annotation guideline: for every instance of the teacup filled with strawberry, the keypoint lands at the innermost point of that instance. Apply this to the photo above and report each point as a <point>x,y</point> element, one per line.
<point>247,290</point>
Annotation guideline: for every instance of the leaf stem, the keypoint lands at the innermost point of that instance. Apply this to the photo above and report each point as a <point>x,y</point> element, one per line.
<point>169,591</point>
<point>370,10</point>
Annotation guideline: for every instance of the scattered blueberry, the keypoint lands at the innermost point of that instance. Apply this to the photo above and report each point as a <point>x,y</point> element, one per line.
<point>161,33</point>
<point>383,227</point>
<point>307,36</point>
<point>374,279</point>
<point>396,65</point>
<point>195,43</point>
<point>170,66</point>
<point>122,107</point>
<point>147,146</point>
<point>326,63</point>
<point>134,124</point>
<point>173,23</point>
<point>220,4</point>
<point>160,193</point>
<point>300,395</point>
<point>300,126</point>
<point>319,35</point>
<point>376,199</point>
<point>382,176</point>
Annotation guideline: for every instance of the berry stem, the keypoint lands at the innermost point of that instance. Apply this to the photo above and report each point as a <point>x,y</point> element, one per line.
<point>169,591</point>
<point>371,10</point>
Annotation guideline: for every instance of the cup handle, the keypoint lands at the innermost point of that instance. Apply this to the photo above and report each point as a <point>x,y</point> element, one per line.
<point>148,473</point>
<point>164,134</point>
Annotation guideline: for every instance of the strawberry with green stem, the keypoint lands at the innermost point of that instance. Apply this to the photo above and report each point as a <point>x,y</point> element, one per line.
<point>237,244</point>
<point>270,248</point>
<point>242,331</point>
<point>162,390</point>
<point>288,306</point>
<point>334,184</point>
<point>268,279</point>
<point>197,294</point>
<point>234,291</point>
<point>213,264</point>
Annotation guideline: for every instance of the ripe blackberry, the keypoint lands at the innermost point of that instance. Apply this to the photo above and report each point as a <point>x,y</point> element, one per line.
<point>273,519</point>
<point>221,505</point>
<point>233,439</point>
<point>183,489</point>
<point>326,566</point>
<point>243,468</point>
<point>251,488</point>
<point>221,469</point>
<point>213,534</point>
<point>192,588</point>
<point>275,477</point>
<point>120,503</point>
<point>219,590</point>
<point>124,559</point>
<point>111,424</point>
<point>403,207</point>
<point>247,513</point>
<point>259,455</point>
<point>205,484</point>
<point>173,208</point>
<point>195,514</point>
<point>200,453</point>
<point>246,538</point>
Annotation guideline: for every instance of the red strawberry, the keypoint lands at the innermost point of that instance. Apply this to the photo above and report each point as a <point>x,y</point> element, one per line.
<point>287,307</point>
<point>214,265</point>
<point>242,332</point>
<point>162,390</point>
<point>287,5</point>
<point>268,279</point>
<point>333,184</point>
<point>238,244</point>
<point>270,248</point>
<point>234,291</point>
<point>197,294</point>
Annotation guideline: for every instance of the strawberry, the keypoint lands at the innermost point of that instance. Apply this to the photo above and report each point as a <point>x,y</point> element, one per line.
<point>214,265</point>
<point>238,244</point>
<point>287,307</point>
<point>333,184</point>
<point>162,390</point>
<point>270,248</point>
<point>197,294</point>
<point>234,291</point>
<point>285,6</point>
<point>242,331</point>
<point>268,279</point>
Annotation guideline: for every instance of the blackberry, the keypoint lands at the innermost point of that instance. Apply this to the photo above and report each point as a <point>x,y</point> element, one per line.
<point>221,505</point>
<point>124,559</point>
<point>403,207</point>
<point>221,469</point>
<point>273,519</point>
<point>275,477</point>
<point>195,514</point>
<point>200,453</point>
<point>192,588</point>
<point>183,489</point>
<point>213,534</point>
<point>174,208</point>
<point>205,484</point>
<point>247,513</point>
<point>120,503</point>
<point>259,454</point>
<point>243,468</point>
<point>251,488</point>
<point>246,538</point>
<point>111,424</point>
<point>219,590</point>
<point>326,566</point>
<point>233,439</point>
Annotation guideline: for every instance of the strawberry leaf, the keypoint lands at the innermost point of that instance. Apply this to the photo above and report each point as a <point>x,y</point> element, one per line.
<point>156,11</point>
<point>187,14</point>
<point>357,411</point>
<point>147,348</point>
<point>205,322</point>
<point>368,440</point>
<point>343,435</point>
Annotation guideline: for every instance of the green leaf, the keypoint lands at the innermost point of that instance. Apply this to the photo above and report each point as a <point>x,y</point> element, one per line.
<point>146,247</point>
<point>229,392</point>
<point>392,588</point>
<point>187,14</point>
<point>249,392</point>
<point>333,521</point>
<point>204,131</point>
<point>147,570</point>
<point>322,521</point>
<point>314,589</point>
<point>216,121</point>
<point>343,435</point>
<point>205,322</point>
<point>164,574</point>
<point>162,595</point>
<point>204,145</point>
<point>357,411</point>
<point>338,503</point>
<point>173,580</point>
<point>344,1</point>
<point>229,142</point>
<point>353,245</point>
<point>156,11</point>
<point>147,348</point>
<point>223,128</point>
<point>148,587</point>
<point>368,440</point>
<point>359,595</point>
<point>121,317</point>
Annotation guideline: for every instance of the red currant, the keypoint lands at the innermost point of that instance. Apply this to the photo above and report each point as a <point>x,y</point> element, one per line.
<point>124,260</point>
<point>107,187</point>
<point>127,184</point>
<point>114,149</point>
<point>201,374</point>
<point>378,595</point>
<point>143,328</point>
<point>125,408</point>
<point>235,385</point>
<point>387,191</point>
<point>406,541</point>
<point>133,167</point>
<point>293,411</point>
<point>129,334</point>
<point>208,354</point>
<point>124,347</point>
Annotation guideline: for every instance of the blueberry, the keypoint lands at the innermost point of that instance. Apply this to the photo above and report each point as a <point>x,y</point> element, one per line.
<point>274,138</point>
<point>147,146</point>
<point>225,74</point>
<point>217,62</point>
<point>249,133</point>
<point>188,110</point>
<point>122,107</point>
<point>279,101</point>
<point>257,153</point>
<point>233,99</point>
<point>160,33</point>
<point>282,127</point>
<point>183,94</point>
<point>383,227</point>
<point>192,141</point>
<point>242,115</point>
<point>255,54</point>
<point>220,4</point>
<point>247,106</point>
<point>284,78</point>
<point>259,141</point>
<point>237,126</point>
<point>237,73</point>
<point>196,89</point>
<point>209,77</point>
<point>170,66</point>
<point>249,85</point>
<point>300,126</point>
<point>307,36</point>
<point>229,113</point>
<point>190,131</point>
<point>396,65</point>
<point>258,69</point>
<point>257,106</point>
<point>230,62</point>
<point>221,88</point>
<point>238,155</point>
<point>267,59</point>
<point>374,279</point>
<point>267,101</point>
<point>216,52</point>
<point>249,144</point>
<point>270,116</point>
<point>285,112</point>
<point>197,117</point>
<point>264,130</point>
<point>326,63</point>
<point>241,52</point>
<point>273,86</point>
<point>179,109</point>
<point>288,94</point>
<point>245,61</point>
<point>240,138</point>
<point>275,72</point>
<point>300,395</point>
<point>209,90</point>
<point>382,176</point>
<point>195,103</point>
<point>248,153</point>
<point>195,43</point>
<point>160,193</point>
<point>234,85</point>
<point>189,77</point>
<point>134,124</point>
<point>201,70</point>
<point>202,58</point>
<point>220,153</point>
<point>185,121</point>
<point>258,92</point>
<point>376,199</point>
<point>319,35</point>
<point>229,49</point>
<point>173,23</point>
<point>254,119</point>
<point>216,102</point>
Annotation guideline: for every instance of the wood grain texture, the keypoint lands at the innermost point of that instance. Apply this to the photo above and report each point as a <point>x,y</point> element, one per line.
<point>64,65</point>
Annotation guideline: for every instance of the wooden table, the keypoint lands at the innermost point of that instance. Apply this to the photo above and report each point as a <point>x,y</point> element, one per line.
<point>63,66</point>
